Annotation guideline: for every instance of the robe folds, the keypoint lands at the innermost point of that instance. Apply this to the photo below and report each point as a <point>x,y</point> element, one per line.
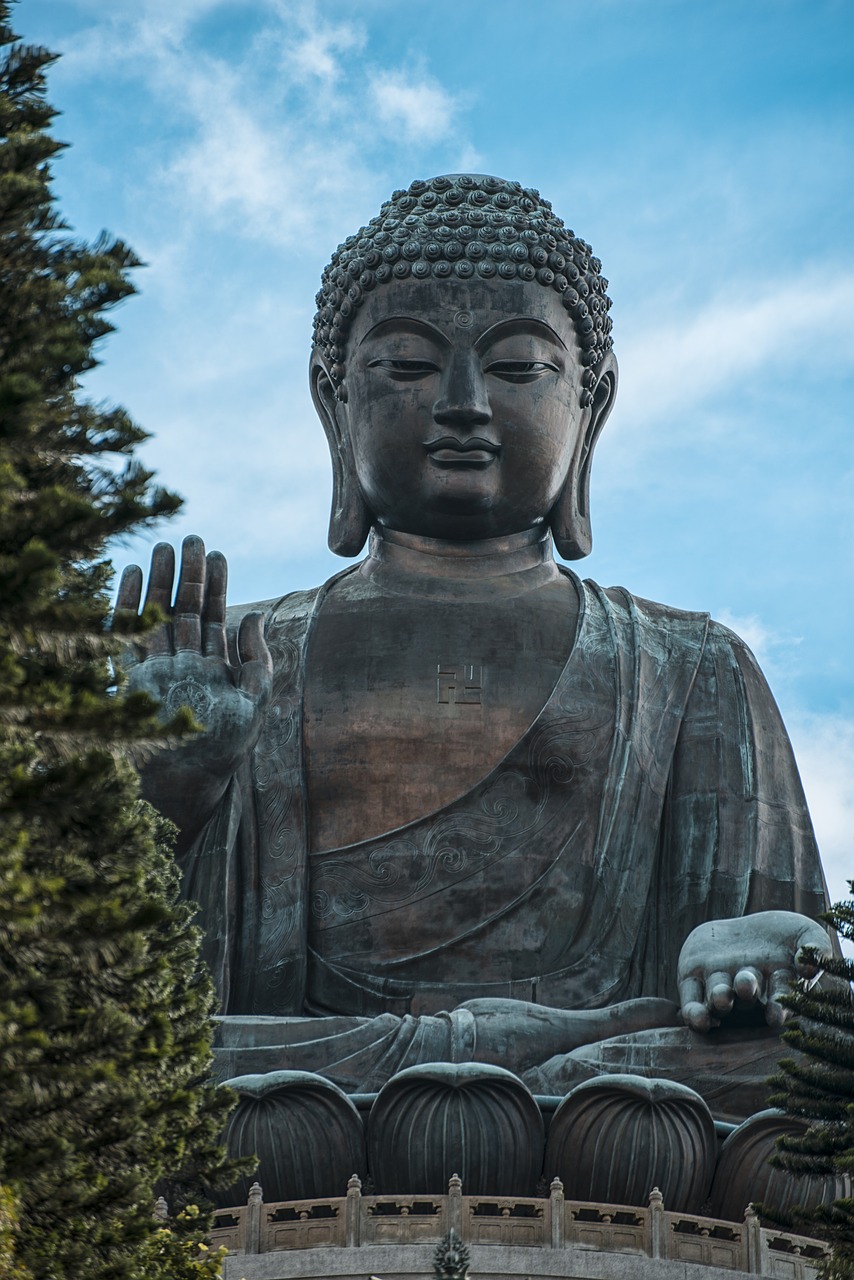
<point>655,790</point>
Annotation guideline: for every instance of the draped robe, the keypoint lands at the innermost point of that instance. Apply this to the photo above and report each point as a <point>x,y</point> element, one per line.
<point>655,790</point>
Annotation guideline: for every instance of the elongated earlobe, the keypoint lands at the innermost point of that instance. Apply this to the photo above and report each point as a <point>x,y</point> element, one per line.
<point>570,525</point>
<point>569,518</point>
<point>349,518</point>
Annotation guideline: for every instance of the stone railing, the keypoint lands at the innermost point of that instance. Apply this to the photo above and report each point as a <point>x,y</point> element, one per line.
<point>358,1220</point>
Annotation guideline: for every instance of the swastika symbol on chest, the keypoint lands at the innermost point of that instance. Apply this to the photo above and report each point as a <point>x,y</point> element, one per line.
<point>459,682</point>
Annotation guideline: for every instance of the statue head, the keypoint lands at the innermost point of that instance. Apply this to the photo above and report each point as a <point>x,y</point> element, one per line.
<point>462,367</point>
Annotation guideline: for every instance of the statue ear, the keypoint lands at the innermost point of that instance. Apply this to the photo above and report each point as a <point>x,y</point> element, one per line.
<point>570,516</point>
<point>349,519</point>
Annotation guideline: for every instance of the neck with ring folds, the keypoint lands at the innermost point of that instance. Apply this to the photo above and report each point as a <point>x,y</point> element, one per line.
<point>513,564</point>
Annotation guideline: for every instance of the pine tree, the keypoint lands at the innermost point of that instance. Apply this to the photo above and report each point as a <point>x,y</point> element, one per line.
<point>105,1031</point>
<point>10,1267</point>
<point>819,1087</point>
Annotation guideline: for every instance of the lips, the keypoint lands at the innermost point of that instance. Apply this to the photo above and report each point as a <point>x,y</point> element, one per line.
<point>449,451</point>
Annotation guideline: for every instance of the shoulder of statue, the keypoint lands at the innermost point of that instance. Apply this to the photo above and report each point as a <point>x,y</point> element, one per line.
<point>278,611</point>
<point>724,640</point>
<point>674,638</point>
<point>652,612</point>
<point>694,626</point>
<point>235,613</point>
<point>711,645</point>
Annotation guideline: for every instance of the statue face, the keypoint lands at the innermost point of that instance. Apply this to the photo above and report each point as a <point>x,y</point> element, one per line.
<point>463,405</point>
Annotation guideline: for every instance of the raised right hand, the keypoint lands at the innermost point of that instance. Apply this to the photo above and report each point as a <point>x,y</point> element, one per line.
<point>185,662</point>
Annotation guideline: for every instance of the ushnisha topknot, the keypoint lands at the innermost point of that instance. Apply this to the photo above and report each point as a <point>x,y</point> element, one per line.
<point>465,225</point>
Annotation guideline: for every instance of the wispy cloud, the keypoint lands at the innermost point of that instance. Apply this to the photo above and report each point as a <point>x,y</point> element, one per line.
<point>276,139</point>
<point>314,57</point>
<point>239,169</point>
<point>123,31</point>
<point>417,105</point>
<point>772,649</point>
<point>672,369</point>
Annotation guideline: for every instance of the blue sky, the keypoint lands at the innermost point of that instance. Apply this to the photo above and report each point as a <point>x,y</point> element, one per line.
<point>705,151</point>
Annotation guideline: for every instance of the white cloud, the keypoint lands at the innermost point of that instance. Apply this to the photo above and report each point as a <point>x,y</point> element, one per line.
<point>265,164</point>
<point>277,138</point>
<point>235,167</point>
<point>772,649</point>
<point>671,370</point>
<point>129,29</point>
<point>314,55</point>
<point>753,631</point>
<point>469,160</point>
<point>417,105</point>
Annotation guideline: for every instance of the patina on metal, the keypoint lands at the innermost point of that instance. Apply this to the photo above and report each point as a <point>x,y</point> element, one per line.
<point>457,804</point>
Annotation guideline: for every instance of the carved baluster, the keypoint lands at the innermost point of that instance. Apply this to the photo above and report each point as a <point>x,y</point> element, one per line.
<point>657,1226</point>
<point>557,1211</point>
<point>753,1241</point>
<point>254,1209</point>
<point>455,1206</point>
<point>354,1212</point>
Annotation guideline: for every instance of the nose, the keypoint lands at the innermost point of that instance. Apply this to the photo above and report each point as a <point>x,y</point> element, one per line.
<point>463,400</point>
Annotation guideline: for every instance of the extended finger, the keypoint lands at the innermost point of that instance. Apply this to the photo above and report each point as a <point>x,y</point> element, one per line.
<point>719,993</point>
<point>189,598</point>
<point>130,591</point>
<point>256,664</point>
<point>694,1012</point>
<point>747,984</point>
<point>126,611</point>
<point>779,984</point>
<point>213,627</point>
<point>161,575</point>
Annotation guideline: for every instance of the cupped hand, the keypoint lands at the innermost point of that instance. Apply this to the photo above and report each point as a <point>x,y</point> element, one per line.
<point>185,660</point>
<point>727,964</point>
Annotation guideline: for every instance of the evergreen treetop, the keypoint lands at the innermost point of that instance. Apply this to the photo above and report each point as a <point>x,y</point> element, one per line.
<point>105,1027</point>
<point>818,1087</point>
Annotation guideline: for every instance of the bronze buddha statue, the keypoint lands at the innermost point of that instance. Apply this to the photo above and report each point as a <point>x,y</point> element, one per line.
<point>457,804</point>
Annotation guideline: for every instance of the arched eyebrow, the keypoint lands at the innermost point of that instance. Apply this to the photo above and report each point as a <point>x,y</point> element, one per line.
<point>405,324</point>
<point>519,324</point>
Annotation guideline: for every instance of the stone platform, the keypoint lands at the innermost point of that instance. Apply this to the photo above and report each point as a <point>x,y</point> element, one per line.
<point>358,1236</point>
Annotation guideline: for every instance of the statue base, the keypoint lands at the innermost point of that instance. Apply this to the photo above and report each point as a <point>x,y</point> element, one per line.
<point>357,1235</point>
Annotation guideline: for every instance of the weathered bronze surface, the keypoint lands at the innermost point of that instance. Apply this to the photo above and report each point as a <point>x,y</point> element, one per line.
<point>615,1138</point>
<point>307,1135</point>
<point>744,1169</point>
<point>477,1121</point>
<point>456,804</point>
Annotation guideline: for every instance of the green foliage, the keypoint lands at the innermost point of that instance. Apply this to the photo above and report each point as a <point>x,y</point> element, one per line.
<point>105,1025</point>
<point>819,1088</point>
<point>10,1267</point>
<point>181,1252</point>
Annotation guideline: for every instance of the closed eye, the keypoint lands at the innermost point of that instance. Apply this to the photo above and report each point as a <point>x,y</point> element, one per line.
<point>520,370</point>
<point>405,370</point>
